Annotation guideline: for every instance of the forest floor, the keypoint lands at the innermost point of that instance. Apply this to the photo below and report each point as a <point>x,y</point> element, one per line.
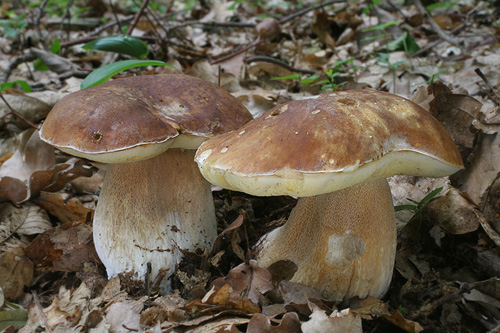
<point>444,56</point>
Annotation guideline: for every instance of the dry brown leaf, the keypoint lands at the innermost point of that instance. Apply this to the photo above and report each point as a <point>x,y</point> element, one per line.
<point>112,291</point>
<point>260,323</point>
<point>455,112</point>
<point>337,322</point>
<point>172,305</point>
<point>125,315</point>
<point>29,107</point>
<point>243,288</point>
<point>67,211</point>
<point>64,248</point>
<point>409,326</point>
<point>25,219</point>
<point>16,272</point>
<point>369,307</point>
<point>259,101</point>
<point>31,169</point>
<point>454,212</point>
<point>483,169</point>
<point>32,154</point>
<point>297,293</point>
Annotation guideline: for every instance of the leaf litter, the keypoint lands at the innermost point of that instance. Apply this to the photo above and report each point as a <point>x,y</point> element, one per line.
<point>448,256</point>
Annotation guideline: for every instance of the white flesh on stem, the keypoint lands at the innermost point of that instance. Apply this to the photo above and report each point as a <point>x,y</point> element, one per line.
<point>152,211</point>
<point>342,243</point>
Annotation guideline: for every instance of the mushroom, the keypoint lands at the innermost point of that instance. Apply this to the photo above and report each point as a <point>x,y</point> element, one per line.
<point>334,152</point>
<point>154,204</point>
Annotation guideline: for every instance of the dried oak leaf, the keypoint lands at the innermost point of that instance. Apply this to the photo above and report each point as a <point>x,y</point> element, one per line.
<point>260,323</point>
<point>456,112</point>
<point>338,321</point>
<point>454,212</point>
<point>64,248</point>
<point>483,169</point>
<point>66,210</point>
<point>407,325</point>
<point>16,272</point>
<point>243,288</point>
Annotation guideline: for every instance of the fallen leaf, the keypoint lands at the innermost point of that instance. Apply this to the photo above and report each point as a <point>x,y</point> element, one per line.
<point>454,212</point>
<point>455,112</point>
<point>16,272</point>
<point>243,288</point>
<point>19,222</point>
<point>338,321</point>
<point>409,326</point>
<point>66,210</point>
<point>125,316</point>
<point>29,107</point>
<point>483,168</point>
<point>369,307</point>
<point>64,248</point>
<point>260,323</point>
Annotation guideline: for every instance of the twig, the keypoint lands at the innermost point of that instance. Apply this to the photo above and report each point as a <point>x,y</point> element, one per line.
<point>234,54</point>
<point>444,36</point>
<point>67,15</point>
<point>453,297</point>
<point>36,22</point>
<point>487,82</point>
<point>436,42</point>
<point>279,63</point>
<point>14,63</point>
<point>117,20</point>
<point>15,113</point>
<point>138,16</point>
<point>39,307</point>
<point>306,10</point>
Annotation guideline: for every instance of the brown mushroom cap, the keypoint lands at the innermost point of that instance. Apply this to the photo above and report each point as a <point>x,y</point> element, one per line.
<point>139,117</point>
<point>315,146</point>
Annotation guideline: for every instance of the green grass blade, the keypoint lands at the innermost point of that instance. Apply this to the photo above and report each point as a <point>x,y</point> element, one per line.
<point>102,74</point>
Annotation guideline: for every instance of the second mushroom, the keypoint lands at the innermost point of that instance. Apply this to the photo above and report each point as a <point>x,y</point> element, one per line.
<point>334,152</point>
<point>154,204</point>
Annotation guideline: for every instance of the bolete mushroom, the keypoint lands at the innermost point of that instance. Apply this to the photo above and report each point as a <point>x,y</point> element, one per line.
<point>334,152</point>
<point>154,204</point>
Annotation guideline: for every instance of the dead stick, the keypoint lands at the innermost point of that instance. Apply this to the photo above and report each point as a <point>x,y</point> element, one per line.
<point>39,307</point>
<point>138,16</point>
<point>431,307</point>
<point>437,28</point>
<point>306,10</point>
<point>15,113</point>
<point>487,82</point>
<point>234,54</point>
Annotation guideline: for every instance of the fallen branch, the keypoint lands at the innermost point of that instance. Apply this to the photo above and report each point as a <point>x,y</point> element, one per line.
<point>443,35</point>
<point>15,113</point>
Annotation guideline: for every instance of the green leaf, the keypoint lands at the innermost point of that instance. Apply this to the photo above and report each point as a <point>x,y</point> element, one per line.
<point>23,84</point>
<point>40,66</point>
<point>122,44</point>
<point>405,42</point>
<point>102,74</point>
<point>289,77</point>
<point>431,196</point>
<point>306,81</point>
<point>337,64</point>
<point>381,26</point>
<point>321,82</point>
<point>13,315</point>
<point>55,47</point>
<point>405,207</point>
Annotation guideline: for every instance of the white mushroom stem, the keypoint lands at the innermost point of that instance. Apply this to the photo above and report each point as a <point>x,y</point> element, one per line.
<point>342,243</point>
<point>152,211</point>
